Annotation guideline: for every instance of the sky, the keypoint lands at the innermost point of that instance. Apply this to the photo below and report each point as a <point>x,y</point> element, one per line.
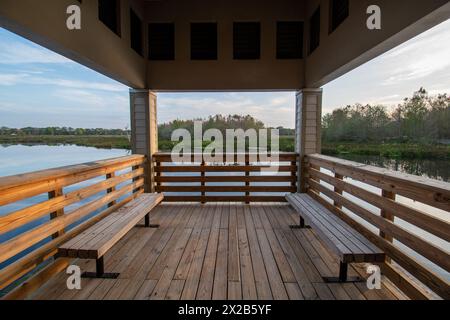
<point>40,88</point>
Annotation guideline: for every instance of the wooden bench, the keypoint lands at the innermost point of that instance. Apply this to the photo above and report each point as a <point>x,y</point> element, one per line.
<point>98,239</point>
<point>349,245</point>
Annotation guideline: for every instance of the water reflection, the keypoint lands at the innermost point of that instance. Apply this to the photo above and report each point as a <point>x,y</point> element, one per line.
<point>434,169</point>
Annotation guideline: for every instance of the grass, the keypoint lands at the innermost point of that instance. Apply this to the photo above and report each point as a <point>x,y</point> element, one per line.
<point>389,150</point>
<point>287,144</point>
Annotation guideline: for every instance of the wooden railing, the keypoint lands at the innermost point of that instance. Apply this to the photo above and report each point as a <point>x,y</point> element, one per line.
<point>388,202</point>
<point>32,233</point>
<point>239,180</point>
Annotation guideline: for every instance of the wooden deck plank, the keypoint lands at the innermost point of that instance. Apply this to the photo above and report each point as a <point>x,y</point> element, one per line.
<point>117,289</point>
<point>248,277</point>
<point>205,288</point>
<point>169,266</point>
<point>142,263</point>
<point>234,273</point>
<point>308,291</point>
<point>145,290</point>
<point>189,257</point>
<point>234,290</point>
<point>193,279</point>
<point>275,279</point>
<point>175,290</point>
<point>294,291</point>
<point>102,289</point>
<point>220,286</point>
<point>172,249</point>
<point>261,281</point>
<point>293,248</point>
<point>279,255</point>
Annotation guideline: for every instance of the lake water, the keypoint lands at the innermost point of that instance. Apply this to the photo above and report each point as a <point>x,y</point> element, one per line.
<point>18,159</point>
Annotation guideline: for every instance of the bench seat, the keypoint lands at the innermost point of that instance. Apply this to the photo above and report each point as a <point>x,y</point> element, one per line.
<point>348,244</point>
<point>95,242</point>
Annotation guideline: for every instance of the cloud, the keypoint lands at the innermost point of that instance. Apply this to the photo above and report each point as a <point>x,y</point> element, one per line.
<point>11,79</point>
<point>31,78</point>
<point>15,53</point>
<point>274,109</point>
<point>88,101</point>
<point>424,56</point>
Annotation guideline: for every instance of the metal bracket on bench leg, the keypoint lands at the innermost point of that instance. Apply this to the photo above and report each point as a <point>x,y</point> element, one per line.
<point>100,272</point>
<point>147,222</point>
<point>343,275</point>
<point>301,225</point>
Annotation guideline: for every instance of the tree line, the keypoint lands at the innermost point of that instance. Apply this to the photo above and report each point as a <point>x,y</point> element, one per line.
<point>421,118</point>
<point>62,131</point>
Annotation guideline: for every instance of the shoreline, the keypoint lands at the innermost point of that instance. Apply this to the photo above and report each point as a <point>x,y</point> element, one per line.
<point>386,150</point>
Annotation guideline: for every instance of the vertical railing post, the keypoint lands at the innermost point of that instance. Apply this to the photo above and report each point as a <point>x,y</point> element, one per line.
<point>387,215</point>
<point>58,213</point>
<point>112,189</point>
<point>338,190</point>
<point>303,174</point>
<point>133,168</point>
<point>294,174</point>
<point>202,183</point>
<point>157,175</point>
<point>247,183</point>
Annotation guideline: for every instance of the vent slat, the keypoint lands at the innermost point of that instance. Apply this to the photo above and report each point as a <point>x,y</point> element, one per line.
<point>204,41</point>
<point>161,41</point>
<point>290,40</point>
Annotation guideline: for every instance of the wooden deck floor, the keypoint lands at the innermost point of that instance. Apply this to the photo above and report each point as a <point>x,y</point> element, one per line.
<point>218,251</point>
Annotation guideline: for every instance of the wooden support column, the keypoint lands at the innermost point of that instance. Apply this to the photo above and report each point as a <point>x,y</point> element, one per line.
<point>308,115</point>
<point>144,131</point>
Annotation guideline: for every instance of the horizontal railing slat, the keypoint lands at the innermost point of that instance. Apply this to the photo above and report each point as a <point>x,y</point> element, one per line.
<point>428,277</point>
<point>21,242</point>
<point>391,184</point>
<point>234,168</point>
<point>206,179</point>
<point>421,246</point>
<point>226,168</point>
<point>27,263</point>
<point>420,219</point>
<point>225,189</point>
<point>32,177</point>
<point>224,198</point>
<point>21,217</point>
<point>432,192</point>
<point>244,157</point>
<point>31,189</point>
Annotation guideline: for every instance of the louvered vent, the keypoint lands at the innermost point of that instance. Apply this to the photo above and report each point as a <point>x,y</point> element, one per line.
<point>290,40</point>
<point>109,14</point>
<point>204,41</point>
<point>314,31</point>
<point>247,40</point>
<point>136,32</point>
<point>161,40</point>
<point>339,12</point>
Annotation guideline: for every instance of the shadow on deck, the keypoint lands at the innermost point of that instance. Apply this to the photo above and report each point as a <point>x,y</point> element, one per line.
<point>219,251</point>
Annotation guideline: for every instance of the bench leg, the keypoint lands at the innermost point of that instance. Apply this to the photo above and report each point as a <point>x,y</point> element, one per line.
<point>343,275</point>
<point>302,225</point>
<point>100,271</point>
<point>147,222</point>
<point>343,272</point>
